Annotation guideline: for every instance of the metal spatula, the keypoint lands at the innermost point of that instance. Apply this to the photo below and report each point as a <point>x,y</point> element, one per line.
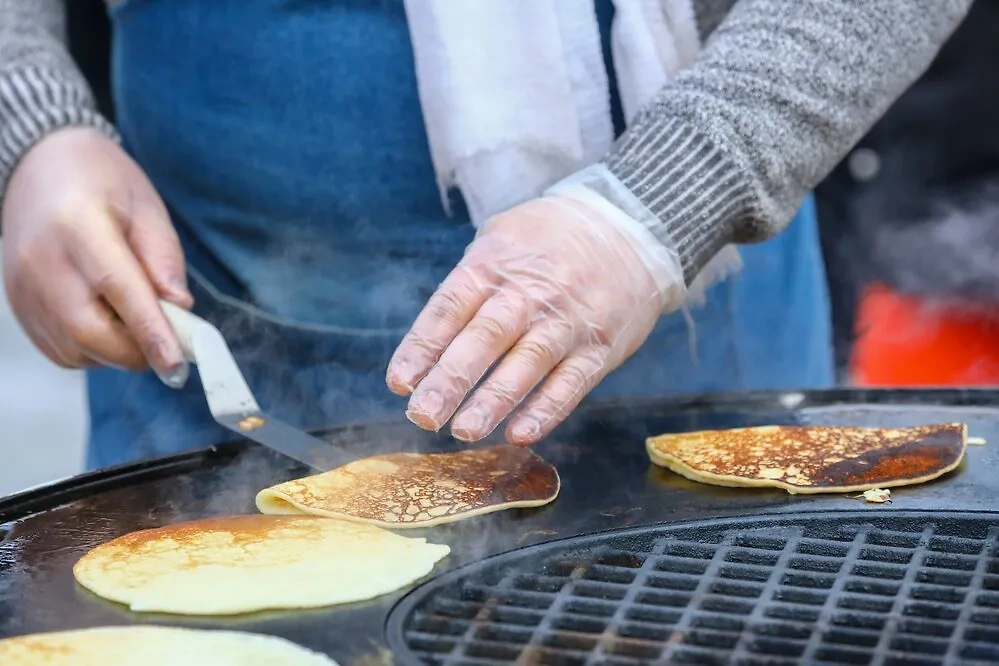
<point>229,398</point>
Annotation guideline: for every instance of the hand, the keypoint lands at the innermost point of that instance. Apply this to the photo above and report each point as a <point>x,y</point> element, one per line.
<point>88,248</point>
<point>551,290</point>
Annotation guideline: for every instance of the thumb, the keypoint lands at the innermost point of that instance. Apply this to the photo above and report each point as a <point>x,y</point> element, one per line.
<point>150,234</point>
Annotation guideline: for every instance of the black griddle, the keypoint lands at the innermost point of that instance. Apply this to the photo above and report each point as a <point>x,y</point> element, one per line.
<point>608,484</point>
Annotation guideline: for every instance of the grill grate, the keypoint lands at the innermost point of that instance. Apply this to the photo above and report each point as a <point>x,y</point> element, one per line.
<point>877,587</point>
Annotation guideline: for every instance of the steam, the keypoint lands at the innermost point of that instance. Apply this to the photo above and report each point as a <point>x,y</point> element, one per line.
<point>277,347</point>
<point>951,254</point>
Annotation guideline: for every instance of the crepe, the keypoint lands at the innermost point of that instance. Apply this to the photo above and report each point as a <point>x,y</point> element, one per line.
<point>876,496</point>
<point>155,646</point>
<point>402,490</point>
<point>813,459</point>
<point>239,564</point>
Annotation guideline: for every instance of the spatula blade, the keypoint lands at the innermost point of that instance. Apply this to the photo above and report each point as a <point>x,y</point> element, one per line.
<point>285,439</point>
<point>229,398</point>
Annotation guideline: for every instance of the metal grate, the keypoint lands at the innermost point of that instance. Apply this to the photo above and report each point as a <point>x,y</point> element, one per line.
<point>876,587</point>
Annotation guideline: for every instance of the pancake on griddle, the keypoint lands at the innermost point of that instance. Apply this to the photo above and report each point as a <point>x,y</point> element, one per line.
<point>155,646</point>
<point>813,459</point>
<point>240,564</point>
<point>402,490</point>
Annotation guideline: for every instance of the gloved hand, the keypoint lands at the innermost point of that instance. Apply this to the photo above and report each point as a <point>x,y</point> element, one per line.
<point>88,248</point>
<point>559,291</point>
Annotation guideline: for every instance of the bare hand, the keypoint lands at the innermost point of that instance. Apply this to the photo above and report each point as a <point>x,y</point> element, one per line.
<point>88,249</point>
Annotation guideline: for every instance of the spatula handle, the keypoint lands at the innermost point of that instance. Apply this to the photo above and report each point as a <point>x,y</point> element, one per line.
<point>184,324</point>
<point>225,388</point>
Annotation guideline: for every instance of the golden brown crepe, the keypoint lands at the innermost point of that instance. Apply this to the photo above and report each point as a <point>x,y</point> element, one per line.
<point>154,646</point>
<point>401,490</point>
<point>813,459</point>
<point>240,564</point>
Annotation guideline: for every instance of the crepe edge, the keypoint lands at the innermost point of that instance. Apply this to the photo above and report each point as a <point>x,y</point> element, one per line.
<point>677,466</point>
<point>293,648</point>
<point>276,498</point>
<point>81,577</point>
<point>439,552</point>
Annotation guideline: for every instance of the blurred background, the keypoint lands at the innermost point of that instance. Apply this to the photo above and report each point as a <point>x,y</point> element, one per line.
<point>910,226</point>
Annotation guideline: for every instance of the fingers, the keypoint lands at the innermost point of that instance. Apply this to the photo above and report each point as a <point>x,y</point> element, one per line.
<point>449,310</point>
<point>89,251</point>
<point>103,339</point>
<point>90,333</point>
<point>561,393</point>
<point>540,261</point>
<point>501,321</point>
<point>520,371</point>
<point>147,228</point>
<point>113,272</point>
<point>85,331</point>
<point>49,346</point>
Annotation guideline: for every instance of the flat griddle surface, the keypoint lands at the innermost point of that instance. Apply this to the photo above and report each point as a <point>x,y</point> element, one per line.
<point>607,482</point>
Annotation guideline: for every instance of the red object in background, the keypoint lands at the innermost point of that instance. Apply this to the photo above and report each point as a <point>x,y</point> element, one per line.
<point>909,341</point>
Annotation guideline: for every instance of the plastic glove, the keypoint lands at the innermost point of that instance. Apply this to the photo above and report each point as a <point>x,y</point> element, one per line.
<point>552,295</point>
<point>88,248</point>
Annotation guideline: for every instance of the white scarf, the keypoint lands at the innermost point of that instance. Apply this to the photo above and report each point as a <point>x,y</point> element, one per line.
<point>515,93</point>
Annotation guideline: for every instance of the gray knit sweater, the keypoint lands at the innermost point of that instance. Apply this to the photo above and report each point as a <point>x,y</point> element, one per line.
<point>779,94</point>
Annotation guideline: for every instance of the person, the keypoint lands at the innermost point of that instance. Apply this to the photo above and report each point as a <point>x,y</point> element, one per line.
<point>305,175</point>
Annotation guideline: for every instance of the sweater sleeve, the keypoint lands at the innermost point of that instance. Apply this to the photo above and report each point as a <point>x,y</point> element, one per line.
<point>782,90</point>
<point>41,89</point>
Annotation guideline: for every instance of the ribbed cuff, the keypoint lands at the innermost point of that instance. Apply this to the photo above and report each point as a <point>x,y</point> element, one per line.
<point>34,102</point>
<point>695,191</point>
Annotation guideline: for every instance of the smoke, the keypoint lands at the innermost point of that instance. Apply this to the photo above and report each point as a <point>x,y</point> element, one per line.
<point>926,227</point>
<point>952,253</point>
<point>924,222</point>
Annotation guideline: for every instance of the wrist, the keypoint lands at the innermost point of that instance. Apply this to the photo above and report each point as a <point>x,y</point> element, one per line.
<point>694,191</point>
<point>600,191</point>
<point>34,104</point>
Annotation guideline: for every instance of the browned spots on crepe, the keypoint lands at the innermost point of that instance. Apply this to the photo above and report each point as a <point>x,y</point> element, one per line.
<point>420,489</point>
<point>240,564</point>
<point>199,542</point>
<point>37,646</point>
<point>813,459</point>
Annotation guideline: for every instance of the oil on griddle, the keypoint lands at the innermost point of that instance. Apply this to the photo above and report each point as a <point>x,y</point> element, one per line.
<point>813,459</point>
<point>403,490</point>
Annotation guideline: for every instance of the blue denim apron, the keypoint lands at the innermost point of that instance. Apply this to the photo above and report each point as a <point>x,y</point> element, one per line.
<point>286,138</point>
